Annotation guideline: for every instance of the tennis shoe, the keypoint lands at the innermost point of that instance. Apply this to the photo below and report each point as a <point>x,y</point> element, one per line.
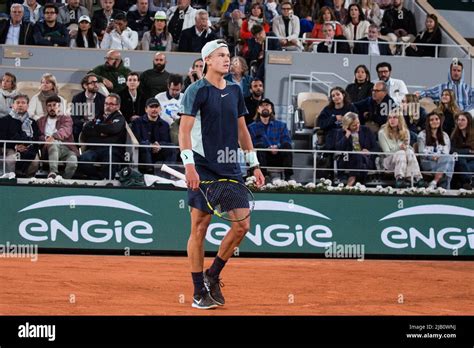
<point>213,285</point>
<point>203,301</point>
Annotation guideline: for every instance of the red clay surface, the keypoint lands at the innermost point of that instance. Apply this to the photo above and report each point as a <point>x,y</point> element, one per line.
<point>144,285</point>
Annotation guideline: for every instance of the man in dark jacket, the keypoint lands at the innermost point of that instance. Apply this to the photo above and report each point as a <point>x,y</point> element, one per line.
<point>102,18</point>
<point>150,129</point>
<point>154,81</point>
<point>332,43</point>
<point>107,129</point>
<point>193,39</point>
<point>399,21</point>
<point>141,20</point>
<point>8,35</point>
<point>372,44</point>
<point>133,103</point>
<point>50,32</point>
<point>113,73</point>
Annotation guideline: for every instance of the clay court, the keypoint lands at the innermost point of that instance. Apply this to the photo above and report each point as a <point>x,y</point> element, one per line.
<point>152,285</point>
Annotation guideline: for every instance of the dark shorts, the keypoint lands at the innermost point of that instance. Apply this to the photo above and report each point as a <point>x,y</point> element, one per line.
<point>197,200</point>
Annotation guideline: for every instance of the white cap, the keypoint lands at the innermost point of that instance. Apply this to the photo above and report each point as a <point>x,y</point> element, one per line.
<point>160,15</point>
<point>84,18</point>
<point>211,46</point>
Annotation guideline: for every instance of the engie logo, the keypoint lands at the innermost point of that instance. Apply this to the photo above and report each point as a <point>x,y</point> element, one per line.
<point>433,226</point>
<point>81,225</point>
<point>279,235</point>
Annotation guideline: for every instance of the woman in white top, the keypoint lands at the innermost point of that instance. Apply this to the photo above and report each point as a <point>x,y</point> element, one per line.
<point>356,26</point>
<point>371,11</point>
<point>394,138</point>
<point>85,36</point>
<point>48,88</point>
<point>436,144</point>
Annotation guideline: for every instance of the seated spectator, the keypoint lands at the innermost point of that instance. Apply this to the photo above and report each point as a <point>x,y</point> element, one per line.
<point>431,35</point>
<point>268,133</point>
<point>16,31</point>
<point>35,11</point>
<point>106,129</point>
<point>373,45</point>
<point>86,105</point>
<point>331,43</point>
<point>194,74</point>
<point>132,103</point>
<point>394,139</point>
<point>119,36</point>
<point>257,49</point>
<point>158,38</point>
<point>234,16</point>
<point>434,143</point>
<point>306,9</point>
<point>255,17</point>
<point>170,101</point>
<point>448,108</point>
<point>287,28</point>
<point>414,115</point>
<point>373,111</point>
<point>326,14</point>
<point>19,126</point>
<point>340,11</point>
<point>150,129</point>
<point>56,128</point>
<point>113,74</point>
<point>361,88</point>
<point>103,17</point>
<point>463,92</point>
<point>371,11</point>
<point>356,27</point>
<point>154,81</point>
<point>193,39</point>
<point>396,88</point>
<point>69,15</point>
<point>357,138</point>
<point>252,101</point>
<point>50,32</point>
<point>141,19</point>
<point>85,36</point>
<point>330,118</point>
<point>48,88</point>
<point>462,141</point>
<point>8,91</point>
<point>239,74</point>
<point>181,17</point>
<point>398,24</point>
<point>271,9</point>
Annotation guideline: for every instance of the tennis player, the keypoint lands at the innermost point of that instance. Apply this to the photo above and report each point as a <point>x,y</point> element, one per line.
<point>212,121</point>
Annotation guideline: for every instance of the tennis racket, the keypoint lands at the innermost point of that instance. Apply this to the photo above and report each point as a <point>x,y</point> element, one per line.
<point>226,198</point>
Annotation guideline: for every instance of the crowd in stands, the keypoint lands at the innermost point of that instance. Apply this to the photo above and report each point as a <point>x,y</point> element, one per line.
<point>367,115</point>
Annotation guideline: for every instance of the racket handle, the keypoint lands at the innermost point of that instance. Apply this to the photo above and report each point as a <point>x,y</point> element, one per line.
<point>173,172</point>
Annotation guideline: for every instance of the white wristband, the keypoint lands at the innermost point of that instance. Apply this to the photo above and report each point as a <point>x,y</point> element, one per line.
<point>251,158</point>
<point>187,156</point>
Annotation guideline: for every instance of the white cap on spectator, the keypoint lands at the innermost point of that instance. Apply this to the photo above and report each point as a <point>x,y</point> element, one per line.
<point>160,16</point>
<point>84,18</point>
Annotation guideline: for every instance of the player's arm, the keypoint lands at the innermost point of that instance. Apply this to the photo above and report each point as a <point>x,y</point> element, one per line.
<point>185,145</point>
<point>251,156</point>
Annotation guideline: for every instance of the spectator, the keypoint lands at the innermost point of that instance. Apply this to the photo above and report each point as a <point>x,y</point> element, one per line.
<point>132,102</point>
<point>118,36</point>
<point>86,105</point>
<point>48,88</point>
<point>150,129</point>
<point>235,14</point>
<point>8,91</point>
<point>113,72</point>
<point>252,101</point>
<point>19,126</point>
<point>340,11</point>
<point>356,27</point>
<point>431,35</point>
<point>69,15</point>
<point>463,92</point>
<point>170,101</point>
<point>398,24</point>
<point>373,111</point>
<point>158,38</point>
<point>16,31</point>
<point>35,11</point>
<point>436,146</point>
<point>394,139</point>
<point>396,88</point>
<point>154,81</point>
<point>50,32</point>
<point>239,74</point>
<point>306,10</point>
<point>255,17</point>
<point>85,36</point>
<point>326,14</point>
<point>371,11</point>
<point>462,141</point>
<point>373,45</point>
<point>106,129</point>
<point>89,4</point>
<point>287,28</point>
<point>384,4</point>
<point>448,107</point>
<point>356,138</point>
<point>56,128</point>
<point>193,39</point>
<point>271,9</point>
<point>257,48</point>
<point>268,133</point>
<point>361,88</point>
<point>182,17</point>
<point>141,19</point>
<point>195,73</point>
<point>330,118</point>
<point>103,17</point>
<point>331,43</point>
<point>414,115</point>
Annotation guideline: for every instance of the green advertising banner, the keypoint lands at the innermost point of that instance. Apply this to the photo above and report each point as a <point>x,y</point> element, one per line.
<point>158,220</point>
<point>453,5</point>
